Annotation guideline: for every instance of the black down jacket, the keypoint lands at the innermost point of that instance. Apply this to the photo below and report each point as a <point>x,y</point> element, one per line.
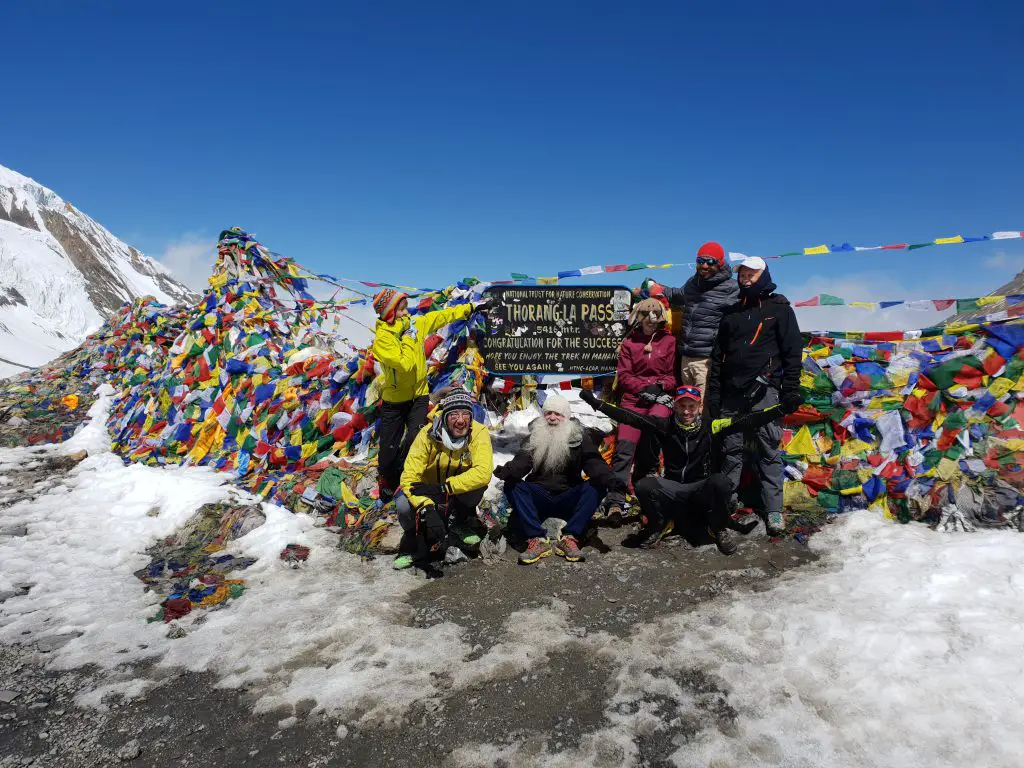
<point>705,302</point>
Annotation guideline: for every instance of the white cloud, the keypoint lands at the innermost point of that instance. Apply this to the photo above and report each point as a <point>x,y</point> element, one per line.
<point>1003,260</point>
<point>867,287</point>
<point>190,259</point>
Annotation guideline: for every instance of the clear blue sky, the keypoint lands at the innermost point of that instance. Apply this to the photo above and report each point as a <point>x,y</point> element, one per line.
<point>418,142</point>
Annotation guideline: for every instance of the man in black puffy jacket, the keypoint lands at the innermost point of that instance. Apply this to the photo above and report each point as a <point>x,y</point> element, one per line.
<point>705,297</point>
<point>756,364</point>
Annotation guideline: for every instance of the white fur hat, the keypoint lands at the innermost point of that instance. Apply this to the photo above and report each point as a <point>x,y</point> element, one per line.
<point>557,404</point>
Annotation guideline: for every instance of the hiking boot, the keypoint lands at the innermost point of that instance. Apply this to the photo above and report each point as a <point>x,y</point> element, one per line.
<point>655,539</point>
<point>569,548</point>
<point>613,514</point>
<point>647,531</point>
<point>402,562</point>
<point>725,540</point>
<point>535,550</point>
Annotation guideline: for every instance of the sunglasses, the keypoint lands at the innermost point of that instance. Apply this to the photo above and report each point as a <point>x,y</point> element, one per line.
<point>653,312</point>
<point>692,392</point>
<point>704,261</point>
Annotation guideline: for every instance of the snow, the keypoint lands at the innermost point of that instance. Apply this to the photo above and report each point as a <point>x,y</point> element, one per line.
<point>900,646</point>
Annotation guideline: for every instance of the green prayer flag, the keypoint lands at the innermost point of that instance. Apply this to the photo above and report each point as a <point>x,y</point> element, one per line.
<point>635,267</point>
<point>520,276</point>
<point>966,305</point>
<point>826,300</point>
<point>915,246</point>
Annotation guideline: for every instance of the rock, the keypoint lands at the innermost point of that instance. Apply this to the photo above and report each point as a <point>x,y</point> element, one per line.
<point>6,697</point>
<point>53,642</point>
<point>14,530</point>
<point>389,544</point>
<point>78,455</point>
<point>130,750</point>
<point>176,631</point>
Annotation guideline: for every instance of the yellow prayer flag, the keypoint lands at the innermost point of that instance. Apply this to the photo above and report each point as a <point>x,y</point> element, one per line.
<point>547,281</point>
<point>1000,386</point>
<point>818,249</point>
<point>948,240</point>
<point>985,301</point>
<point>308,449</point>
<point>70,402</point>
<point>881,506</point>
<point>863,304</point>
<point>802,443</point>
<point>947,469</point>
<point>853,447</point>
<point>660,266</point>
<point>348,497</point>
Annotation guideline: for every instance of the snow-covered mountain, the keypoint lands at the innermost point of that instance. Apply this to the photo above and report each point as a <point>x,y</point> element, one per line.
<point>62,274</point>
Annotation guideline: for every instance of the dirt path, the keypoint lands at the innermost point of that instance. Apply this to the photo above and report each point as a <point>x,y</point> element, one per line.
<point>185,720</point>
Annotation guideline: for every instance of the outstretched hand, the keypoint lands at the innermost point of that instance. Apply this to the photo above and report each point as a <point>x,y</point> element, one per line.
<point>589,398</point>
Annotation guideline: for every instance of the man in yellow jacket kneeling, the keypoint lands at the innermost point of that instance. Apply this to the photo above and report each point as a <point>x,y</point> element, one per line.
<point>446,473</point>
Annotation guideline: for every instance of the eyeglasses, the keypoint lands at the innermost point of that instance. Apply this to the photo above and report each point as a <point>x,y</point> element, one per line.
<point>704,261</point>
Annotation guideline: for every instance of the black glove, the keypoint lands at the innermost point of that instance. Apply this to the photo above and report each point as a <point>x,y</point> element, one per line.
<point>501,472</point>
<point>589,398</point>
<point>430,490</point>
<point>649,395</point>
<point>791,402</point>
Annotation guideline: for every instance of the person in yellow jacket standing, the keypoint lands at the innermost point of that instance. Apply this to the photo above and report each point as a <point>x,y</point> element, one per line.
<point>446,473</point>
<point>398,347</point>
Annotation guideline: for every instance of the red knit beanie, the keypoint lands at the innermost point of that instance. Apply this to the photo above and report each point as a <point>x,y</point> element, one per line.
<point>386,302</point>
<point>712,251</point>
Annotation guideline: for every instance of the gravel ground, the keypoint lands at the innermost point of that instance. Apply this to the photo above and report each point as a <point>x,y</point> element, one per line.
<point>184,720</point>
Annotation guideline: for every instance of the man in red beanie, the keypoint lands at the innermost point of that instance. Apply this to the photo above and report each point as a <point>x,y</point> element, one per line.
<point>705,297</point>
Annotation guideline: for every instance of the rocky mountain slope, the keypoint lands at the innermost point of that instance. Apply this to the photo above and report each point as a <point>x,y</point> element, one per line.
<point>62,274</point>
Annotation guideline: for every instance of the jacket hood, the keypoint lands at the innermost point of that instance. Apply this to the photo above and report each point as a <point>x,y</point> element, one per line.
<point>762,287</point>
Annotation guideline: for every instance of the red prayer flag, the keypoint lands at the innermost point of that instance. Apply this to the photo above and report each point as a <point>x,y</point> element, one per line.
<point>941,304</point>
<point>896,247</point>
<point>616,268</point>
<point>883,336</point>
<point>813,302</point>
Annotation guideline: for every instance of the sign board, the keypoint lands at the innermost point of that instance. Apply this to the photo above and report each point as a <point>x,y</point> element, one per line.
<point>554,329</point>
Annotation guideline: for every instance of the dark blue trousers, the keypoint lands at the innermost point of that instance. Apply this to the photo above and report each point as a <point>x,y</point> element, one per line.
<point>533,505</point>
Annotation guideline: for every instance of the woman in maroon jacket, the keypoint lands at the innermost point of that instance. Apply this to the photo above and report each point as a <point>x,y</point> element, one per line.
<point>646,372</point>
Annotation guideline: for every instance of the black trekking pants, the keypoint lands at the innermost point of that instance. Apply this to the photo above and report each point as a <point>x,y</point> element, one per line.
<point>662,500</point>
<point>399,424</point>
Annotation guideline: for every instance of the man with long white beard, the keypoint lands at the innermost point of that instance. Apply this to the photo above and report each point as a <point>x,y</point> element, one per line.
<point>544,480</point>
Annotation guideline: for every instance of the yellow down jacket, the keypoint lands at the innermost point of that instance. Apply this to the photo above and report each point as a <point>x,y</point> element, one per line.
<point>462,470</point>
<point>398,347</point>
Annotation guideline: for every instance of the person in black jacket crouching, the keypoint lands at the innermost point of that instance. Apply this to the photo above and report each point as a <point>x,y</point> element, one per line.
<point>689,487</point>
<point>544,480</point>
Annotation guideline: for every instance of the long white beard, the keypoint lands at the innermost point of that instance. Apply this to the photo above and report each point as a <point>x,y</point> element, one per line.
<point>550,445</point>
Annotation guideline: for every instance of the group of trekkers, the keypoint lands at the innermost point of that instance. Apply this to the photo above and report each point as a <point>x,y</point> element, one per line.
<point>688,408</point>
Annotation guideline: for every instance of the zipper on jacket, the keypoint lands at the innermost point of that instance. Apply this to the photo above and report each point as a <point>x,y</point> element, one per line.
<point>757,333</point>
